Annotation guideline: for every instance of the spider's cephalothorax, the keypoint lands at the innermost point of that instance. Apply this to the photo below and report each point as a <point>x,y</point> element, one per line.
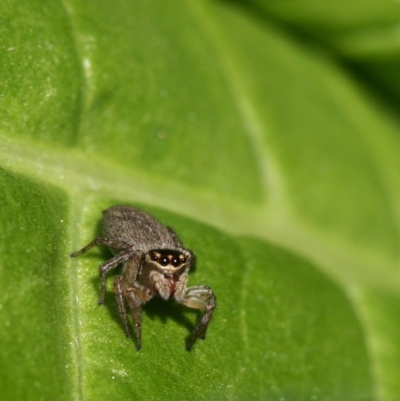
<point>154,263</point>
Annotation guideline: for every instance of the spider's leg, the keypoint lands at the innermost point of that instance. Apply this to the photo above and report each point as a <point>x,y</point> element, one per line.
<point>203,298</point>
<point>111,264</point>
<point>111,243</point>
<point>118,289</point>
<point>135,305</point>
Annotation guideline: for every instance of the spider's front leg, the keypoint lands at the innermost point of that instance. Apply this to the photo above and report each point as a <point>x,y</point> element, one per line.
<point>203,298</point>
<point>134,296</point>
<point>119,295</point>
<point>125,289</point>
<point>124,292</point>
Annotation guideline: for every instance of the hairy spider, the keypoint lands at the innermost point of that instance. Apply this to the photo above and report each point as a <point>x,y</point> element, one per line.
<point>154,263</point>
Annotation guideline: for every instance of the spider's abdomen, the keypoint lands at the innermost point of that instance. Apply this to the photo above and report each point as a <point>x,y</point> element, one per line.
<point>138,229</point>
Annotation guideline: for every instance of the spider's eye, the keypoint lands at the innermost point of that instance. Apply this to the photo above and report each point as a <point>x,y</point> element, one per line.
<point>176,262</point>
<point>154,257</point>
<point>164,261</point>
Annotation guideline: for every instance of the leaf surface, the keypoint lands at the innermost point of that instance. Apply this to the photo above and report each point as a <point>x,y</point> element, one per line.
<point>276,165</point>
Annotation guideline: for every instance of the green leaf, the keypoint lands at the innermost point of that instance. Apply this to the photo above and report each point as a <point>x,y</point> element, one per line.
<point>272,162</point>
<point>35,345</point>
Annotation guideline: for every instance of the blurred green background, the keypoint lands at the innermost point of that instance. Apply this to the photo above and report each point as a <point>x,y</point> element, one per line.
<point>266,133</point>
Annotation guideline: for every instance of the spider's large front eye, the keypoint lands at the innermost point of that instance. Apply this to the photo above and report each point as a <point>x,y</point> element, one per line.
<point>176,262</point>
<point>164,261</point>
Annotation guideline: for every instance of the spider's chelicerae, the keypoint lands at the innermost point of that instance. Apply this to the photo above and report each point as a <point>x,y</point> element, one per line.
<point>154,263</point>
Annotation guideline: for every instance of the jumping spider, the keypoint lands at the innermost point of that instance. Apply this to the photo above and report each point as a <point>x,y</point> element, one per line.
<point>154,263</point>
